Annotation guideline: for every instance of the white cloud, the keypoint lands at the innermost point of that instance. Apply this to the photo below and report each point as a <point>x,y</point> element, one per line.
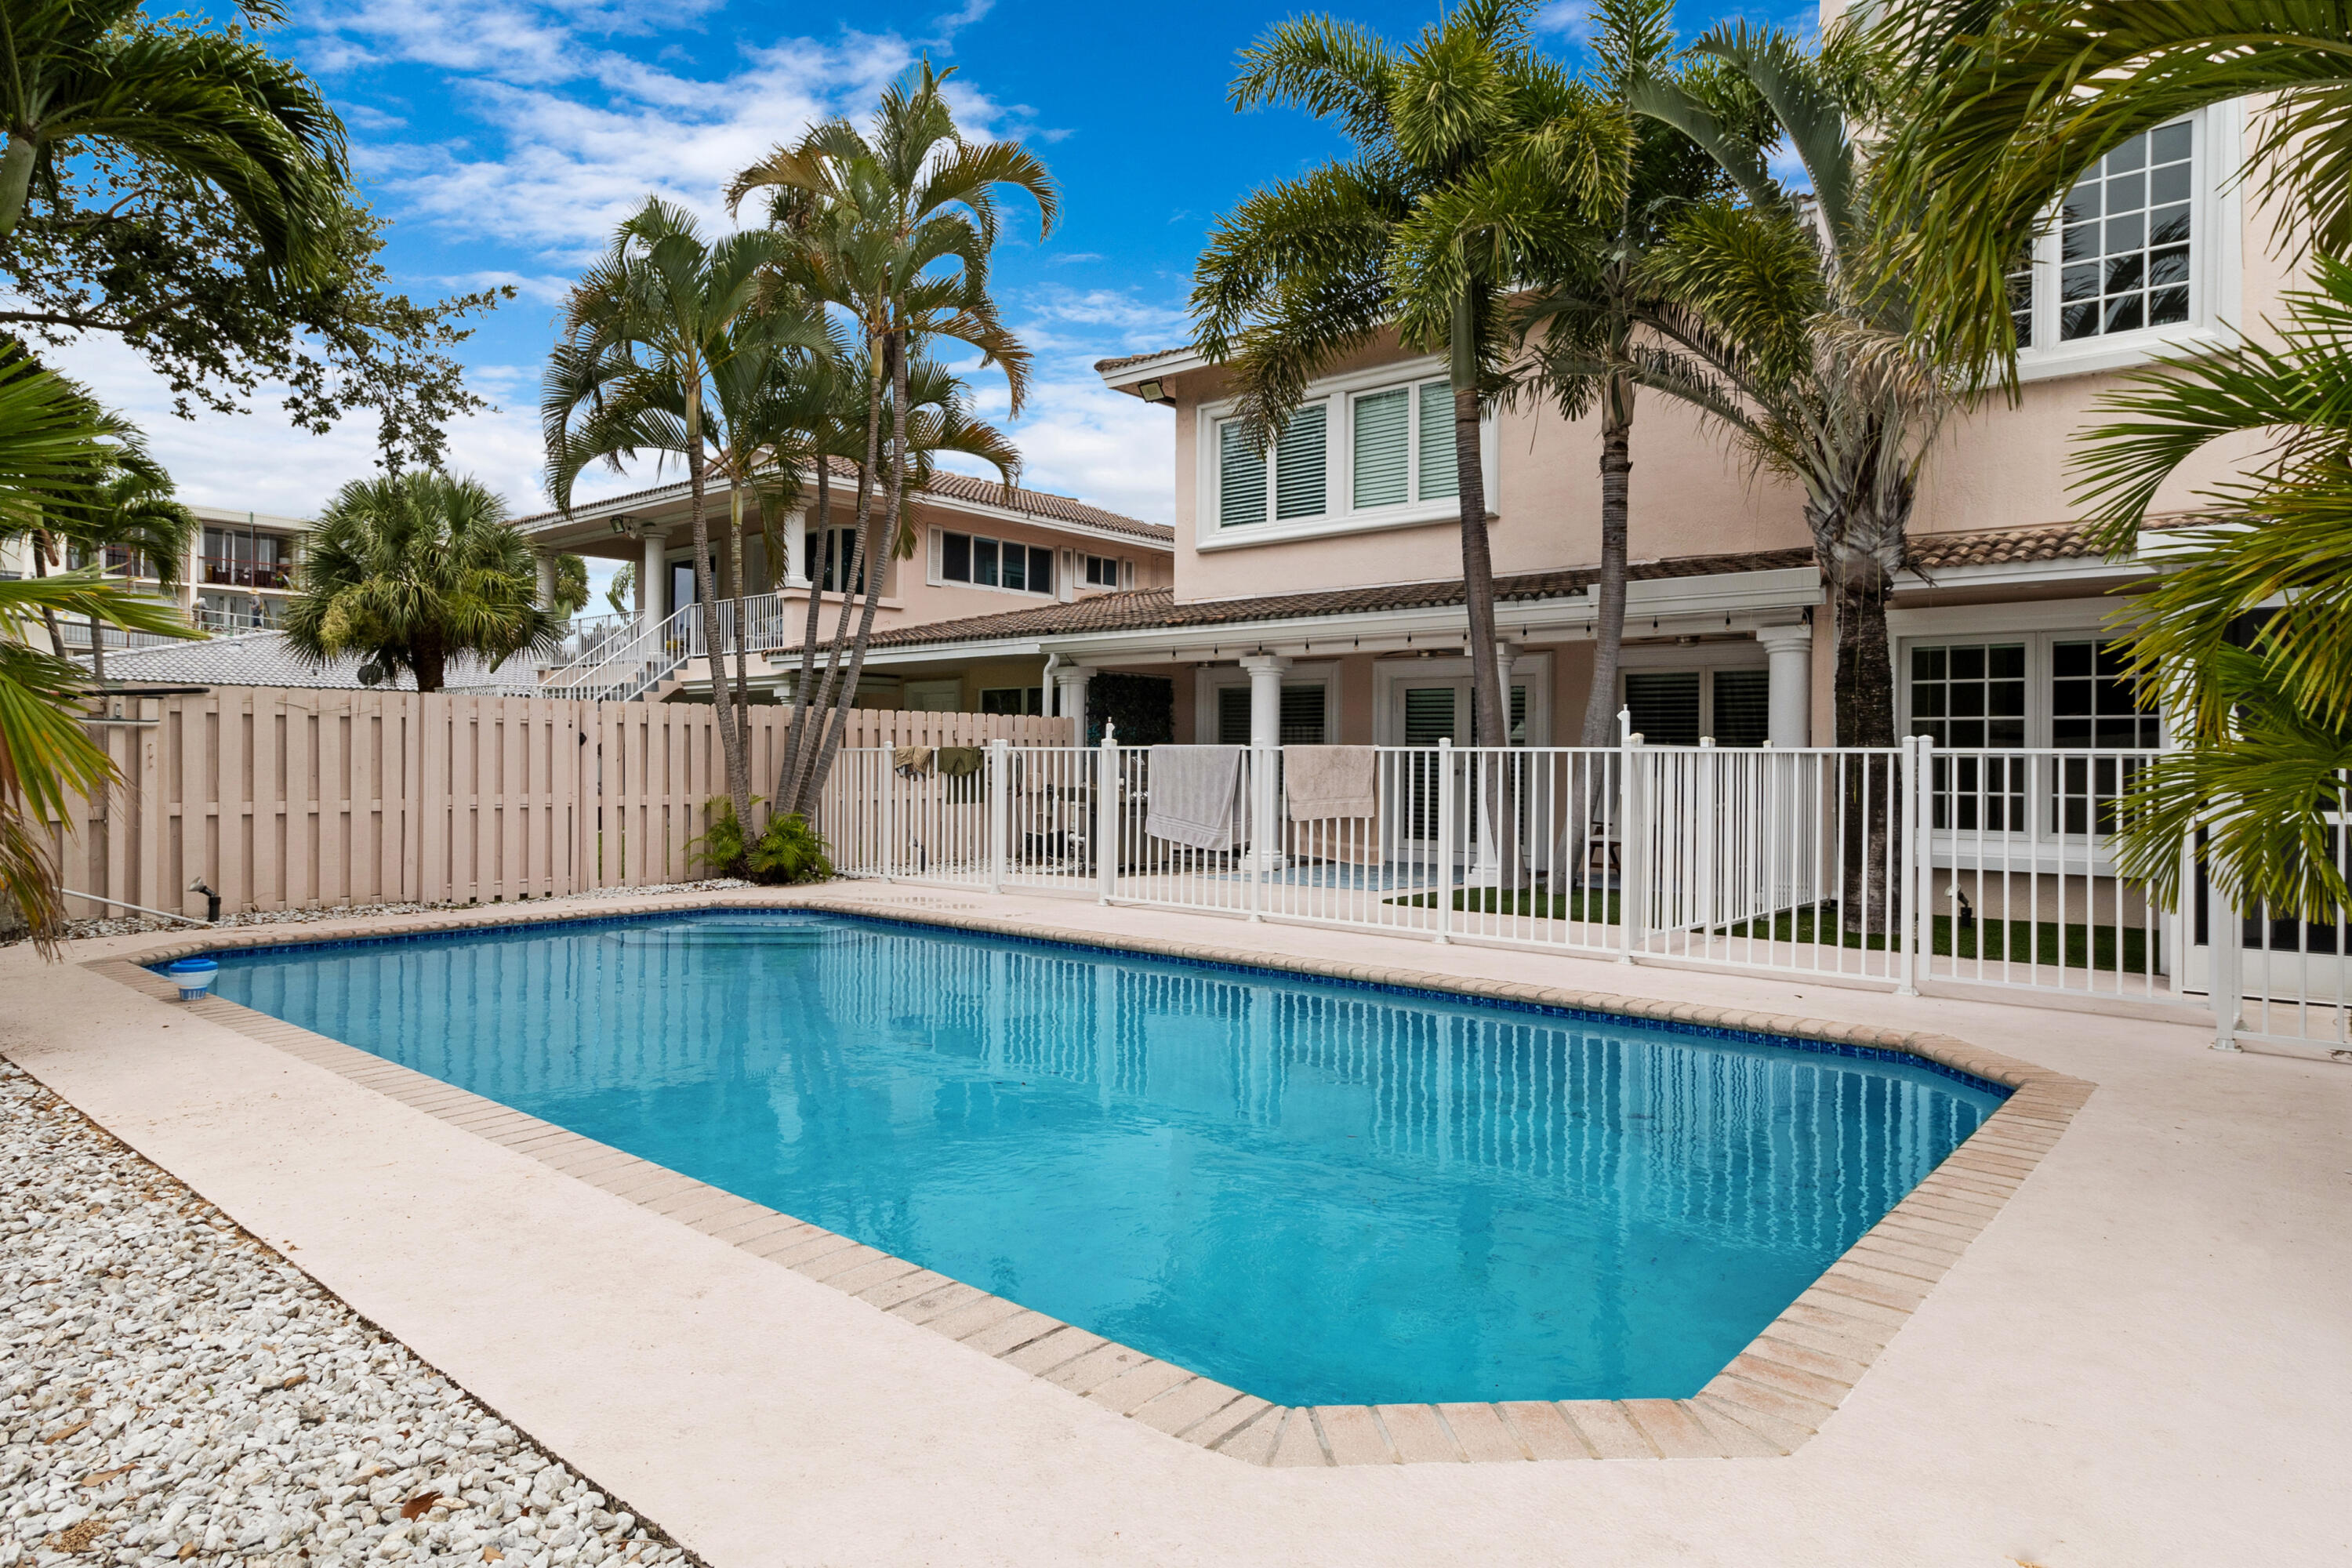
<point>1568,18</point>
<point>258,462</point>
<point>964,15</point>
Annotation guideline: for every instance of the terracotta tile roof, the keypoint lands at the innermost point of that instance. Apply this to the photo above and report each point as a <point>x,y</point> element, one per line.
<point>1152,609</point>
<point>1105,366</point>
<point>1040,504</point>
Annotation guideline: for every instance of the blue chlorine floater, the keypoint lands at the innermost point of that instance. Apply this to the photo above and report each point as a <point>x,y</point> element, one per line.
<point>194,976</point>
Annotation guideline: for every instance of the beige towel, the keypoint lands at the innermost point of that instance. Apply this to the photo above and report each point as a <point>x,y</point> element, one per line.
<point>911,760</point>
<point>1324,782</point>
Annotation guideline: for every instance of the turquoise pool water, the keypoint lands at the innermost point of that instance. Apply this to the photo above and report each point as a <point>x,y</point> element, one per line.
<point>1318,1193</point>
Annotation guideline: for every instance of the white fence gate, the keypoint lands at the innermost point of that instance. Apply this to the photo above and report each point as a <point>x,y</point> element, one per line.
<point>1913,866</point>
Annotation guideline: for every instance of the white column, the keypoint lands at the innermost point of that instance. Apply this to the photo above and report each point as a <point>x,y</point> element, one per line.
<point>795,572</point>
<point>653,578</point>
<point>1788,651</point>
<point>1265,698</point>
<point>1070,681</point>
<point>192,570</point>
<point>1265,734</point>
<point>546,577</point>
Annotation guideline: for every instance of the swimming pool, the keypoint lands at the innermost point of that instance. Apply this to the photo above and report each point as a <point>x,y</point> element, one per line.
<point>1317,1192</point>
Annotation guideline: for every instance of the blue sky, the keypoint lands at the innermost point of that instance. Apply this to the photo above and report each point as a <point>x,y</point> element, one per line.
<point>505,138</point>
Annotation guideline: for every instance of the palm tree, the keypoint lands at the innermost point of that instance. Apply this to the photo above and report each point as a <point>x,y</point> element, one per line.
<point>408,569</point>
<point>1808,365</point>
<point>2003,106</point>
<point>819,417</point>
<point>1794,340</point>
<point>664,343</point>
<point>52,440</point>
<point>2266,715</point>
<point>1478,164</point>
<point>135,511</point>
<point>1593,349</point>
<point>213,107</point>
<point>894,231</point>
<point>2002,112</point>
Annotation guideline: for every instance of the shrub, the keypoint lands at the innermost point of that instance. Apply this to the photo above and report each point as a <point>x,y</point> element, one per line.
<point>787,851</point>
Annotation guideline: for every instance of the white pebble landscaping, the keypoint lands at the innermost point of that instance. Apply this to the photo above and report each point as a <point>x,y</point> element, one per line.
<point>173,1391</point>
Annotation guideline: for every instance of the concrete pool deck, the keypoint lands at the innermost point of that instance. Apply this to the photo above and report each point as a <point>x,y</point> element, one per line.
<point>2144,1357</point>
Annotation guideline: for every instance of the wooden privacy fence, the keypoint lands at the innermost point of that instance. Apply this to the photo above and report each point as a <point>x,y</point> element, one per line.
<point>297,798</point>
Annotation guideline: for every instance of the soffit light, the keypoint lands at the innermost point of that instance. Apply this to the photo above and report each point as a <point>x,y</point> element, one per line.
<point>1154,391</point>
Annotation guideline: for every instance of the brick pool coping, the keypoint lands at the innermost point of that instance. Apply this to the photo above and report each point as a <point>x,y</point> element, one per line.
<point>1767,1401</point>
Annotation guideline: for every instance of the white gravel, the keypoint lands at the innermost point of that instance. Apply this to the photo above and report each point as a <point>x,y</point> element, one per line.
<point>134,925</point>
<point>173,1391</point>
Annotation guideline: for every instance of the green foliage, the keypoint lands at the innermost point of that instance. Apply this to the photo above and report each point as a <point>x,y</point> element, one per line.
<point>621,594</point>
<point>2247,631</point>
<point>892,229</point>
<point>571,586</point>
<point>410,568</point>
<point>204,215</point>
<point>57,451</point>
<point>788,850</point>
<point>1476,163</point>
<point>1142,706</point>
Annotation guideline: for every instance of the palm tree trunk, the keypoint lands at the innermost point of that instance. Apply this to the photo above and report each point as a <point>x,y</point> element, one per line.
<point>48,616</point>
<point>16,179</point>
<point>738,787</point>
<point>803,790</point>
<point>97,653</point>
<point>1489,710</point>
<point>1609,622</point>
<point>430,661</point>
<point>894,363</point>
<point>735,587</point>
<point>1864,699</point>
<point>785,777</point>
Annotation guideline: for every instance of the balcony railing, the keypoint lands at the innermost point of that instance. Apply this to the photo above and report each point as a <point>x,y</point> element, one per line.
<point>222,572</point>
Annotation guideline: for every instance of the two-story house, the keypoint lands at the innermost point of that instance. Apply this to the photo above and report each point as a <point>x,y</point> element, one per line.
<point>1326,574</point>
<point>238,576</point>
<point>980,552</point>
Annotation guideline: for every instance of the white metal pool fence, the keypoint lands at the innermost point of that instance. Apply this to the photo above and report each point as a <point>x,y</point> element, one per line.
<point>1917,867</point>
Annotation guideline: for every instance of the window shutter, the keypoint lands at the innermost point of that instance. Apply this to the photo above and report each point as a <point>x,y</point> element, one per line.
<point>1241,479</point>
<point>1126,574</point>
<point>1302,470</point>
<point>1383,430</point>
<point>1440,478</point>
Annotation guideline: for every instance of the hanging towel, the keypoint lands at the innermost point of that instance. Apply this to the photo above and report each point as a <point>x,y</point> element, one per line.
<point>1323,782</point>
<point>912,761</point>
<point>1195,794</point>
<point>960,762</point>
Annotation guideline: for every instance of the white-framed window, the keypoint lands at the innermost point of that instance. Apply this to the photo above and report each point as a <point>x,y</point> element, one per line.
<point>986,563</point>
<point>2024,689</point>
<point>1973,693</point>
<point>2141,253</point>
<point>827,553</point>
<point>1731,705</point>
<point>1367,450</point>
<point>1012,699</point>
<point>1106,572</point>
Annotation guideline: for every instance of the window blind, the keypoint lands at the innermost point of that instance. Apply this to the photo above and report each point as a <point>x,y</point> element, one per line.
<point>1439,479</point>
<point>1241,479</point>
<point>1383,436</point>
<point>1301,467</point>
